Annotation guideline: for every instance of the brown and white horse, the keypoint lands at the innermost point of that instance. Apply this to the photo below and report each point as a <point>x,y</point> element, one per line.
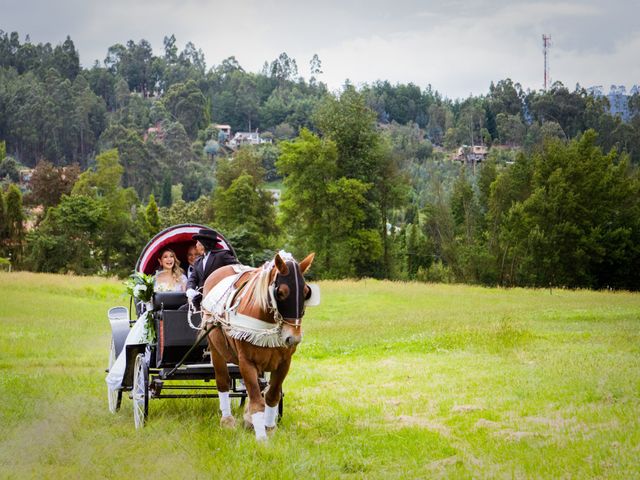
<point>266,309</point>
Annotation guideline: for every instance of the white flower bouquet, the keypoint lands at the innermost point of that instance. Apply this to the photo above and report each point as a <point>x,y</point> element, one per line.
<point>140,286</point>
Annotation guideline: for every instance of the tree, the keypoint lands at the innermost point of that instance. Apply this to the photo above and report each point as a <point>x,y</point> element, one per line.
<point>243,208</point>
<point>439,227</point>
<point>141,170</point>
<point>170,49</point>
<point>199,212</point>
<point>68,237</point>
<point>246,161</point>
<point>49,183</point>
<point>134,63</point>
<point>66,59</point>
<point>284,68</point>
<point>504,98</point>
<point>315,65</point>
<point>315,68</point>
<point>9,169</point>
<point>88,117</point>
<point>580,224</point>
<point>179,153</point>
<point>463,206</point>
<point>245,212</point>
<point>151,214</point>
<point>560,105</point>
<point>417,249</point>
<point>511,130</point>
<point>122,234</point>
<point>165,198</point>
<point>364,156</point>
<point>321,210</point>
<point>15,223</point>
<point>188,105</point>
<point>3,224</point>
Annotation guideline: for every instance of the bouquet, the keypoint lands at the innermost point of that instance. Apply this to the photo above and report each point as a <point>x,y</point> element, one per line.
<point>140,287</point>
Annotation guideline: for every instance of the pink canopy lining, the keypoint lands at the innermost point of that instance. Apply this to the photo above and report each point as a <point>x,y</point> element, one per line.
<point>178,239</point>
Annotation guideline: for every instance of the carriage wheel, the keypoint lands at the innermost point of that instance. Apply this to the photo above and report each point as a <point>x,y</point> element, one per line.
<point>114,396</point>
<point>140,393</point>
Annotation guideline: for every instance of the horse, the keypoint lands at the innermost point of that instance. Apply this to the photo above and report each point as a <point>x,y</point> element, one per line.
<point>258,327</point>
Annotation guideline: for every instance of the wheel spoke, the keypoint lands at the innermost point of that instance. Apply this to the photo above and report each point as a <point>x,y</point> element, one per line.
<point>140,394</point>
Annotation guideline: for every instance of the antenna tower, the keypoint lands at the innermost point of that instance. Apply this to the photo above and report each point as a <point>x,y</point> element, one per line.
<point>546,44</point>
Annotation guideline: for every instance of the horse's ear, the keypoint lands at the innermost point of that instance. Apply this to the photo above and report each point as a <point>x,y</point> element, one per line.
<point>306,263</point>
<point>281,265</point>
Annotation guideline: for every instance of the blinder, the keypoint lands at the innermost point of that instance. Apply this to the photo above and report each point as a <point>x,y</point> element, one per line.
<point>293,305</point>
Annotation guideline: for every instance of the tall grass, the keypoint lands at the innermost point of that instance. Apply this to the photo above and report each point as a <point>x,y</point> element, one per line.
<point>392,380</point>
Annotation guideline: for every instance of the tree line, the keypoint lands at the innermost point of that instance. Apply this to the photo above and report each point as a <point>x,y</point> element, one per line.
<point>127,147</point>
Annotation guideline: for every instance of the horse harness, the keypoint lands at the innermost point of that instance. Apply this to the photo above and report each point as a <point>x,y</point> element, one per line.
<point>244,327</point>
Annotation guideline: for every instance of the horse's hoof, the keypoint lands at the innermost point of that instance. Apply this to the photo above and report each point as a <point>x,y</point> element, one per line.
<point>248,425</point>
<point>271,430</point>
<point>228,422</point>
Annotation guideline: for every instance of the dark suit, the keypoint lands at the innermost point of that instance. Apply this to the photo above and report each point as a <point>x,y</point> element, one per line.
<point>215,260</point>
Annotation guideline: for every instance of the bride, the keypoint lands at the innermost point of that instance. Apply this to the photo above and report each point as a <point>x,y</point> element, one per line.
<point>170,278</point>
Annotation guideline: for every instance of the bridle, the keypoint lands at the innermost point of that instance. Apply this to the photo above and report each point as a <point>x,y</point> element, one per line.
<point>296,320</point>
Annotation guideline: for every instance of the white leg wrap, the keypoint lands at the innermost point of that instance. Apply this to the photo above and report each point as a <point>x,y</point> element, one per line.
<point>225,403</point>
<point>270,416</point>
<point>258,425</point>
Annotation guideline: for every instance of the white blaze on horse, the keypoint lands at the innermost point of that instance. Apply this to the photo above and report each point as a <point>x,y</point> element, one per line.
<point>258,317</point>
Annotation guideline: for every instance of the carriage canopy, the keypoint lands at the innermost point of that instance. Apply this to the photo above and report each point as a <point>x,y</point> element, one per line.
<point>178,238</point>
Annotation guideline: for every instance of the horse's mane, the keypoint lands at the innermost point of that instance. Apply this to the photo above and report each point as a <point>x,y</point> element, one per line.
<point>262,281</point>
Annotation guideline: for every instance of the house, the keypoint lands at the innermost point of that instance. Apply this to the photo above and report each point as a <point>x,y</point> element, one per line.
<point>25,176</point>
<point>226,129</point>
<point>472,154</point>
<point>247,138</point>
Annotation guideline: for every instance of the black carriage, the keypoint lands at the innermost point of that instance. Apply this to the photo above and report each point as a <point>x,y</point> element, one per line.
<point>172,366</point>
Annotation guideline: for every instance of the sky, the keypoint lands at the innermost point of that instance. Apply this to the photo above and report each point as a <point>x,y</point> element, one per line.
<point>457,47</point>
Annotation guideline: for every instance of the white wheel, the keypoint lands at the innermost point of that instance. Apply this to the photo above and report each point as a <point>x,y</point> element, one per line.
<point>113,396</point>
<point>140,393</point>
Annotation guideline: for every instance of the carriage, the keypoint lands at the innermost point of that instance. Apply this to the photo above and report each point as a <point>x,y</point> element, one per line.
<point>172,365</point>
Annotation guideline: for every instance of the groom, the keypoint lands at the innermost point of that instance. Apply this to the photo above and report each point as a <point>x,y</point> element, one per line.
<point>211,259</point>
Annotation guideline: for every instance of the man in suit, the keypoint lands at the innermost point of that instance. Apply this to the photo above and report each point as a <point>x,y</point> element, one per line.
<point>211,259</point>
<point>192,255</point>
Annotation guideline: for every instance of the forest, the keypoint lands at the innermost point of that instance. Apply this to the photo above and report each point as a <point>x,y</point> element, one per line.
<point>94,161</point>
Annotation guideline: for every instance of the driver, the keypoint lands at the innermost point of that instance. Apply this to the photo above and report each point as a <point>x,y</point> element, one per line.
<point>211,258</point>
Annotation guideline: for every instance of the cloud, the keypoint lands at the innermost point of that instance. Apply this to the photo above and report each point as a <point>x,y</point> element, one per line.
<point>462,55</point>
<point>457,46</point>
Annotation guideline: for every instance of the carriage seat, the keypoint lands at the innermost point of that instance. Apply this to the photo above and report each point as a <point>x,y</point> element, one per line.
<point>168,300</point>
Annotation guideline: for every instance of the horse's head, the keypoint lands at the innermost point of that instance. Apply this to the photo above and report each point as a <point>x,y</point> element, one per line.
<point>290,292</point>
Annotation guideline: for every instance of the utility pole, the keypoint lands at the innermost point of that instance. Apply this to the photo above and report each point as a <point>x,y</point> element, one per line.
<point>546,44</point>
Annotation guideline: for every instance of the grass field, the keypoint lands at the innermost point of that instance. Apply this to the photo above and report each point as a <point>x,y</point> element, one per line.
<point>393,380</point>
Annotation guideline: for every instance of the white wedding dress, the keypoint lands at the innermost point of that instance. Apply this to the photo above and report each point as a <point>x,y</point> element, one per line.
<point>137,333</point>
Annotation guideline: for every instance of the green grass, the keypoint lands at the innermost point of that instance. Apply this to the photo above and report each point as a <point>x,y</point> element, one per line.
<point>393,380</point>
<point>275,185</point>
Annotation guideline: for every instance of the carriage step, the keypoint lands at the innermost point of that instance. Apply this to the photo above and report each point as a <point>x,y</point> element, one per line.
<point>198,365</point>
<point>208,364</point>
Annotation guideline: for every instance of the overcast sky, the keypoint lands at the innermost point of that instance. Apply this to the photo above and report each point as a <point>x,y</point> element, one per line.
<point>458,47</point>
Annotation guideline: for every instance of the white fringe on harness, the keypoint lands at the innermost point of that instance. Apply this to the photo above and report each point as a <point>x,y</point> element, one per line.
<point>219,300</point>
<point>249,329</point>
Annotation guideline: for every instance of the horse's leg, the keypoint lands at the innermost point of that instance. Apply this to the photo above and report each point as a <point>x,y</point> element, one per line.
<point>223,383</point>
<point>255,407</point>
<point>274,394</point>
